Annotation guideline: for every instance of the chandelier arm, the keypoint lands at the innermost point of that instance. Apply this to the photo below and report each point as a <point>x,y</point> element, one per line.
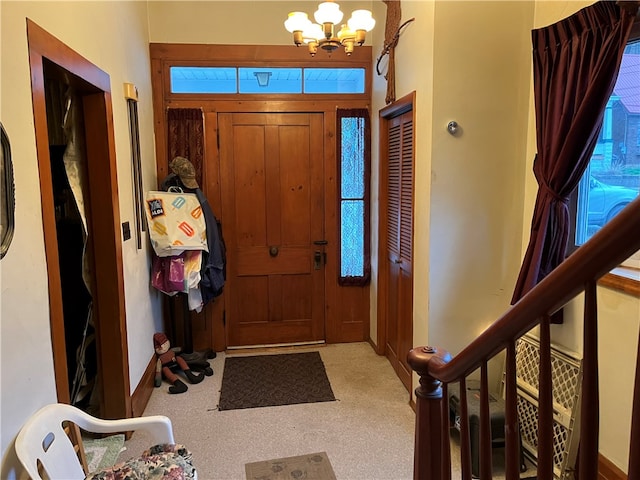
<point>388,46</point>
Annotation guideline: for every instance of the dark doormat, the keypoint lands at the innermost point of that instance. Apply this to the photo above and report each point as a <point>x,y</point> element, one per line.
<point>270,380</point>
<point>315,466</point>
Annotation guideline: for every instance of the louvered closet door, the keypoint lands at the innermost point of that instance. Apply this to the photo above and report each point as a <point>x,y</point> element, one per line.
<point>399,189</point>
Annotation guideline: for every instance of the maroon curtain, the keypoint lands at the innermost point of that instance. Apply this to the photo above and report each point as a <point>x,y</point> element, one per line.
<point>185,137</point>
<point>576,64</point>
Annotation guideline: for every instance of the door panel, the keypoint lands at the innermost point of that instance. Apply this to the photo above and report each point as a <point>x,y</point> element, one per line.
<point>399,255</point>
<point>405,324</point>
<point>272,208</point>
<point>393,298</point>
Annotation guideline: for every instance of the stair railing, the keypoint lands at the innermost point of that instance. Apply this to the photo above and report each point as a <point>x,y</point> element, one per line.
<point>579,273</point>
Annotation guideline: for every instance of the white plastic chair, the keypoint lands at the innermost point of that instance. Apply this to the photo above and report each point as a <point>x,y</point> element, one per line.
<point>43,438</point>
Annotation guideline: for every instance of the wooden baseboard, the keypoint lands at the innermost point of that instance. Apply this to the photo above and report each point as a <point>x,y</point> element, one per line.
<point>375,347</point>
<point>608,471</point>
<point>143,391</point>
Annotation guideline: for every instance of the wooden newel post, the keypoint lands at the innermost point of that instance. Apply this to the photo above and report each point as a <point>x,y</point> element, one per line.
<point>428,451</point>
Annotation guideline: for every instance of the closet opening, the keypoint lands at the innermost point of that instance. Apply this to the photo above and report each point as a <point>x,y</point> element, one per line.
<point>68,157</point>
<point>65,85</point>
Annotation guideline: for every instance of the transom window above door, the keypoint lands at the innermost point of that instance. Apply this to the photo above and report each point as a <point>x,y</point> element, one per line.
<point>266,80</point>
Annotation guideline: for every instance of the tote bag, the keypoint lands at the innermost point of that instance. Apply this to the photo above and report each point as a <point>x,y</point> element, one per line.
<point>176,222</point>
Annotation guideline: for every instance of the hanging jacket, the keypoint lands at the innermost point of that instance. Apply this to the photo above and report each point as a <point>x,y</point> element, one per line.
<point>213,272</point>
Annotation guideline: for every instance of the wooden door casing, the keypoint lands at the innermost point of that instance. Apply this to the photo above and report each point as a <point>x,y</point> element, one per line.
<point>347,308</point>
<point>271,169</point>
<point>94,88</point>
<point>396,246</point>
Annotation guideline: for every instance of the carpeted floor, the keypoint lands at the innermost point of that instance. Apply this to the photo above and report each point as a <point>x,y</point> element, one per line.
<point>273,380</point>
<point>368,434</point>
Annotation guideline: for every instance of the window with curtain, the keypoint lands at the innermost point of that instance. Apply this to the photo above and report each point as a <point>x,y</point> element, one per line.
<point>353,172</point>
<point>575,66</point>
<point>612,178</point>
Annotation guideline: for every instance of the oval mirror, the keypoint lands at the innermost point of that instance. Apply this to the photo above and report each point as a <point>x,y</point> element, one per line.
<point>7,200</point>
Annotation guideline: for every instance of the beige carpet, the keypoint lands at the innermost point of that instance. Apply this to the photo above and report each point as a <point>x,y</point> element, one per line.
<point>367,433</point>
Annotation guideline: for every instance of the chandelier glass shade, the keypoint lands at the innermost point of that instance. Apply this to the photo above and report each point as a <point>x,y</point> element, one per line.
<point>322,34</point>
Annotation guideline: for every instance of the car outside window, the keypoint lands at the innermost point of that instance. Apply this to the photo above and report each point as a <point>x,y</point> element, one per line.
<point>612,179</point>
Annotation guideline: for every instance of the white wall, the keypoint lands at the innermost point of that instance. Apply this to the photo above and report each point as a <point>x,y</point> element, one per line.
<point>113,36</point>
<point>379,86</point>
<point>468,62</point>
<point>414,72</point>
<point>481,66</point>
<point>231,22</point>
<point>618,313</point>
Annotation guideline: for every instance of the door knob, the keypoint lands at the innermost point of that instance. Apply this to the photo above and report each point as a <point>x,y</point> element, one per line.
<point>273,251</point>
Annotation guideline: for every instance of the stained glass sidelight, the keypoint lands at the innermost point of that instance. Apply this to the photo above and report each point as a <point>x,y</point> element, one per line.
<point>354,261</point>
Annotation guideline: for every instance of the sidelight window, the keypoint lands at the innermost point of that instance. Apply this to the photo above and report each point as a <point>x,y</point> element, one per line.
<point>354,167</point>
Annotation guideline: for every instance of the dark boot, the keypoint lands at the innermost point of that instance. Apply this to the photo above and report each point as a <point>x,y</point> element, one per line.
<point>196,360</point>
<point>210,353</point>
<point>178,387</point>
<point>204,368</point>
<point>193,378</point>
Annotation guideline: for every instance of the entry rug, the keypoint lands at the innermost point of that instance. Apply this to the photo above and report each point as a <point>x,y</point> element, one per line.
<point>271,380</point>
<point>102,453</point>
<point>314,466</point>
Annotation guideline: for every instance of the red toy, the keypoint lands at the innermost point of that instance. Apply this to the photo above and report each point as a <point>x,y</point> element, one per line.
<point>168,361</point>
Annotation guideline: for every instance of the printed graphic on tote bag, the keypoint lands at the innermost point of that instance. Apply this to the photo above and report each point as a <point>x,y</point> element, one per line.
<point>176,222</point>
<point>155,207</point>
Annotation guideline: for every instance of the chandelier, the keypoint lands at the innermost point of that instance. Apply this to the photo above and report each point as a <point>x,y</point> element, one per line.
<point>321,34</point>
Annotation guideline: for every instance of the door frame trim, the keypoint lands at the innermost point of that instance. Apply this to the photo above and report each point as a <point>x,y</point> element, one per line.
<point>108,298</point>
<point>348,308</point>
<point>393,110</point>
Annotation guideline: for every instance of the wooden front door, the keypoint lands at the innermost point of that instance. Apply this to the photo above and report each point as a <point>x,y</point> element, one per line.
<point>271,168</point>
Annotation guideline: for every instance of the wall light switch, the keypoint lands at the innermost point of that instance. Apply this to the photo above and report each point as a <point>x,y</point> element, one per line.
<point>126,231</point>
